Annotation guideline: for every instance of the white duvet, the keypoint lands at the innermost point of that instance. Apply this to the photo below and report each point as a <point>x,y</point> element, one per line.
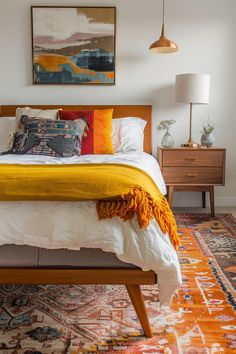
<point>73,225</point>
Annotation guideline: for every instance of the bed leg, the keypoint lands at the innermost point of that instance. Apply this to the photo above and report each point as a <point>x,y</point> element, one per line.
<point>137,300</point>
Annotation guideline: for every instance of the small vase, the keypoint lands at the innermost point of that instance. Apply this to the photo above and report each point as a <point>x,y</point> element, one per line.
<point>167,140</point>
<point>207,139</point>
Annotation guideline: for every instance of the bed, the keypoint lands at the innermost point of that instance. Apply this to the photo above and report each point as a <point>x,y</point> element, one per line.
<point>32,259</point>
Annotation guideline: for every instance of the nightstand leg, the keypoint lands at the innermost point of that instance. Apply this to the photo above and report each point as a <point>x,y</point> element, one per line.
<point>170,195</point>
<point>203,199</point>
<point>212,201</point>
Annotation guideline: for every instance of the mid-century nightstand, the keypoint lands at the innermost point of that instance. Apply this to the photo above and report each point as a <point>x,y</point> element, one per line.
<point>193,169</point>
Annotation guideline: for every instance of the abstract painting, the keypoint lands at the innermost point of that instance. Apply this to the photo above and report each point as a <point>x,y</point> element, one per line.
<point>73,45</point>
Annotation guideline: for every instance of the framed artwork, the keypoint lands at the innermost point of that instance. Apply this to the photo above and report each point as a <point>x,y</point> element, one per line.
<point>73,45</point>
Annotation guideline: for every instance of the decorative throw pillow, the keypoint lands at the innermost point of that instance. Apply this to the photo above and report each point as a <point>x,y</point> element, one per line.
<point>32,112</point>
<point>53,127</point>
<point>45,144</point>
<point>98,135</point>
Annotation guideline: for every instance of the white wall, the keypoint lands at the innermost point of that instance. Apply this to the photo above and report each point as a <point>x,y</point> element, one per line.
<point>205,32</point>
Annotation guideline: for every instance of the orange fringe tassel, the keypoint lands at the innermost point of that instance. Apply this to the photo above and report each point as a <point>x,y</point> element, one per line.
<point>146,208</point>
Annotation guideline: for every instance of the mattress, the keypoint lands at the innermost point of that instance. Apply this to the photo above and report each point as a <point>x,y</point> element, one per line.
<point>28,256</point>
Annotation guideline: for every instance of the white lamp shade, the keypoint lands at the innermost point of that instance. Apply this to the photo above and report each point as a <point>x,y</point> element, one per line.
<point>192,88</point>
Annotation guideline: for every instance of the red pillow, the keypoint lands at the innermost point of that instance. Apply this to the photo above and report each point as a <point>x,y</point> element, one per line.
<point>97,139</point>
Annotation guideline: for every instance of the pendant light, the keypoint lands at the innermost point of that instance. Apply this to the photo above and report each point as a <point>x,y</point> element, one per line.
<point>163,45</point>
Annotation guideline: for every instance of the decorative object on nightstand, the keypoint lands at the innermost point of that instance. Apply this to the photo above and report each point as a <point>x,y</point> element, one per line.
<point>192,89</point>
<point>163,45</point>
<point>193,169</point>
<point>207,138</point>
<point>167,140</point>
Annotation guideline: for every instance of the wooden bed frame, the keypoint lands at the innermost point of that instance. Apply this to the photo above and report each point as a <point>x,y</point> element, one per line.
<point>131,278</point>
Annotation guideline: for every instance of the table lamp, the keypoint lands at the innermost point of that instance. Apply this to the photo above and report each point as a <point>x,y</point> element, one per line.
<point>192,89</point>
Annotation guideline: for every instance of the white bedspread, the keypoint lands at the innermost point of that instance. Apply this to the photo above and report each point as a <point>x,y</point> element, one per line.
<point>73,225</point>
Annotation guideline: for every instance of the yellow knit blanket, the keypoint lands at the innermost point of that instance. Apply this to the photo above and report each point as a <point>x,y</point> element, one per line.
<point>121,190</point>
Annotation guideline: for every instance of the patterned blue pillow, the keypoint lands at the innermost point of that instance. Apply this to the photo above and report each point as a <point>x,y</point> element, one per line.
<point>53,127</point>
<point>45,144</point>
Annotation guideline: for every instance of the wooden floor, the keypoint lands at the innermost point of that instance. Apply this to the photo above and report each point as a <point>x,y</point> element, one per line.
<point>230,210</point>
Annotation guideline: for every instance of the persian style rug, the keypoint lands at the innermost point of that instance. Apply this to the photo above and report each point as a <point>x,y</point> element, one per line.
<point>101,319</point>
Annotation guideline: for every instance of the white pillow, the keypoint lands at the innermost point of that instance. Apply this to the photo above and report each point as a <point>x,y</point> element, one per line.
<point>115,134</point>
<point>37,113</point>
<point>128,134</point>
<point>7,126</point>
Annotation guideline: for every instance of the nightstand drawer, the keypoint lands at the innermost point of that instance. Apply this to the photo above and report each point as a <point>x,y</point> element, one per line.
<point>193,158</point>
<point>193,175</point>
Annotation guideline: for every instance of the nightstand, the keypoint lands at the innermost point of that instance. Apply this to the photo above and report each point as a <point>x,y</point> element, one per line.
<point>193,169</point>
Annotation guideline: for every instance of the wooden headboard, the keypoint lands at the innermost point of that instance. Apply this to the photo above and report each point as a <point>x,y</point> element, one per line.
<point>144,112</point>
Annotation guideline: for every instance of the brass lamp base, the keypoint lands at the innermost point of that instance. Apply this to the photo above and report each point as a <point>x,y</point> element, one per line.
<point>190,145</point>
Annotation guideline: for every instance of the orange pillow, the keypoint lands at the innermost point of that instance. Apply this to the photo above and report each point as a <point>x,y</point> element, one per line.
<point>97,139</point>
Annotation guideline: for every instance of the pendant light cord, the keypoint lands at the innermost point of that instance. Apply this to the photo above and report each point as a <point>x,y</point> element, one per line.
<point>163,18</point>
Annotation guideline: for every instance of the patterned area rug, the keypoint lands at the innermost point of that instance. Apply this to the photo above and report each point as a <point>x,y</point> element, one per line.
<point>100,319</point>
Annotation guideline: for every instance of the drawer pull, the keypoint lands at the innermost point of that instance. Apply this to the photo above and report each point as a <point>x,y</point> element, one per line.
<point>190,158</point>
<point>191,174</point>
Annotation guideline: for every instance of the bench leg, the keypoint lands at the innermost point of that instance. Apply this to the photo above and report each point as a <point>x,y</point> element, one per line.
<point>137,300</point>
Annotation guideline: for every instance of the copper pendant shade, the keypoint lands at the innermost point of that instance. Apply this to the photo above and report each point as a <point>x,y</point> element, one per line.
<point>163,45</point>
